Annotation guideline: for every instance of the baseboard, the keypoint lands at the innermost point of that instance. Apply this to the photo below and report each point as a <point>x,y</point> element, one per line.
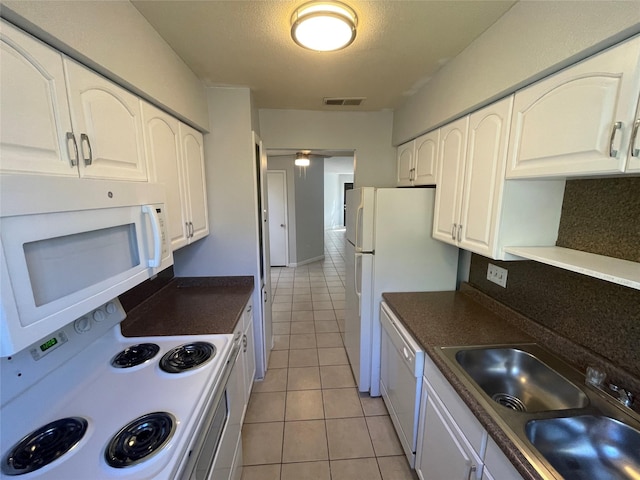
<point>305,262</point>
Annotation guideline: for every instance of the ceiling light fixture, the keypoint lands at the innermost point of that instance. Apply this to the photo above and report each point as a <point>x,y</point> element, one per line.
<point>324,26</point>
<point>302,160</point>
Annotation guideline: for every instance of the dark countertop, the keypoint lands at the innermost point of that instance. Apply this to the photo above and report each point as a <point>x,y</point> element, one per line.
<point>439,319</point>
<point>191,306</point>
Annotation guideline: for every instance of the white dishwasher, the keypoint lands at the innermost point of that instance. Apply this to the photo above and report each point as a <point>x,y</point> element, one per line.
<point>402,365</point>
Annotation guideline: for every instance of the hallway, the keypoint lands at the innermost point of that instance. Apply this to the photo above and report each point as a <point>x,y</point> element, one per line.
<point>306,420</point>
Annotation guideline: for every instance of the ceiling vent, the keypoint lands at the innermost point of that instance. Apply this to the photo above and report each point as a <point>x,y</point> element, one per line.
<point>344,102</point>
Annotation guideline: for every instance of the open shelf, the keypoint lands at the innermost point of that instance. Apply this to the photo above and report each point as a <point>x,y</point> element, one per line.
<point>622,272</point>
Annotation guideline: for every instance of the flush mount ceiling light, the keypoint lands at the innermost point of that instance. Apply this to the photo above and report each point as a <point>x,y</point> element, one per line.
<point>324,26</point>
<point>302,160</point>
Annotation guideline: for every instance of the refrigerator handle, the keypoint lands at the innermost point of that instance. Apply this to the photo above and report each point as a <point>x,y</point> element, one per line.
<point>357,279</point>
<point>358,241</point>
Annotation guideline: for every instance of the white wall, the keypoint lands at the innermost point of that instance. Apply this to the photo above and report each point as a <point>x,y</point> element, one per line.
<point>334,198</point>
<point>368,133</point>
<point>533,39</point>
<point>310,213</point>
<point>230,248</point>
<point>113,38</point>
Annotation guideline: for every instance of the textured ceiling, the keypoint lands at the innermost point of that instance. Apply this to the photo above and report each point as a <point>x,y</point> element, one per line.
<point>399,45</point>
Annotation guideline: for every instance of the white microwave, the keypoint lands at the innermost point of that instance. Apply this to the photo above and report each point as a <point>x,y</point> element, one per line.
<point>69,245</point>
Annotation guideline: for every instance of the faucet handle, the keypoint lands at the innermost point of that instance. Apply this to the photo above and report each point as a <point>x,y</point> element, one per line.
<point>624,397</point>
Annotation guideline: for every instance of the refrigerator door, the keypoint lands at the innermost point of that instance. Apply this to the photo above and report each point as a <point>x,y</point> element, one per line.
<point>360,218</point>
<point>357,336</point>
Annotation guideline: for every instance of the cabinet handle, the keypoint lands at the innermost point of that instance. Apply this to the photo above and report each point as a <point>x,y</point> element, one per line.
<point>244,344</point>
<point>616,126</point>
<point>460,232</point>
<point>411,172</point>
<point>472,469</point>
<point>85,138</point>
<point>635,152</point>
<point>191,229</point>
<point>72,138</point>
<point>453,232</point>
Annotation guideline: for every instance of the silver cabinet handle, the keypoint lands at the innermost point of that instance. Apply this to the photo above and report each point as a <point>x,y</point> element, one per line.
<point>459,232</point>
<point>616,126</point>
<point>453,231</point>
<point>72,138</point>
<point>191,230</point>
<point>635,152</point>
<point>472,469</point>
<point>84,138</point>
<point>282,225</point>
<point>186,224</point>
<point>244,344</point>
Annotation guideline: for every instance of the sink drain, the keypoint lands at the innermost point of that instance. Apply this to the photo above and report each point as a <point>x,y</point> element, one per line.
<point>509,401</point>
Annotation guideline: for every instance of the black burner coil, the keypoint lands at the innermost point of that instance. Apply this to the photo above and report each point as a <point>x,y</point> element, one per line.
<point>44,445</point>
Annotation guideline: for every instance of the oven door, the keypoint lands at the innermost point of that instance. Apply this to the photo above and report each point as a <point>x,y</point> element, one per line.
<point>221,432</point>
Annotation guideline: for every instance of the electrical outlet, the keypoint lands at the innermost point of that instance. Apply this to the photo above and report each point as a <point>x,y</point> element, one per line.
<point>497,275</point>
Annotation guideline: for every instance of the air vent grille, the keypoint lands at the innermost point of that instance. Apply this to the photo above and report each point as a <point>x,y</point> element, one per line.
<point>344,102</point>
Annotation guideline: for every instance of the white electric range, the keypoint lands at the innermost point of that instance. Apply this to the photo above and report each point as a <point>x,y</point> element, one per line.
<point>65,399</point>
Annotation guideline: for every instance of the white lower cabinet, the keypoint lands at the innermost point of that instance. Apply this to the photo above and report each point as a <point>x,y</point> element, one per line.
<point>445,453</point>
<point>248,355</point>
<point>452,444</point>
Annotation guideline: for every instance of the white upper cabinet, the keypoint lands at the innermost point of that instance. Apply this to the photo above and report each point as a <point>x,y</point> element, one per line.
<point>59,118</point>
<point>192,147</point>
<point>426,158</point>
<point>35,115</point>
<point>483,178</point>
<point>162,143</point>
<point>453,145</point>
<point>107,122</point>
<point>405,154</point>
<point>417,161</point>
<point>580,120</point>
<point>176,160</point>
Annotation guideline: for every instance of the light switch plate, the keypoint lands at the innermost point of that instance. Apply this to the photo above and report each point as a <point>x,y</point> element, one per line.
<point>497,275</point>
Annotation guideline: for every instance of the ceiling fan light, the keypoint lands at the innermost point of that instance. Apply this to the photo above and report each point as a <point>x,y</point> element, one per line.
<point>302,160</point>
<point>324,26</point>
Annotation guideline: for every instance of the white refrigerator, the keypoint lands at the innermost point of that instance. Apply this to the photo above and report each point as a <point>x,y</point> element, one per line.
<point>389,249</point>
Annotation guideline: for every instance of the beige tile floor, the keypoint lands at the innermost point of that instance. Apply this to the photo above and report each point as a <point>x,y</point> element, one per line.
<point>306,419</point>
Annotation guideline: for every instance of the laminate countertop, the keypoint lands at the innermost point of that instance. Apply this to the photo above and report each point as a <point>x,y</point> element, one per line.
<point>191,306</point>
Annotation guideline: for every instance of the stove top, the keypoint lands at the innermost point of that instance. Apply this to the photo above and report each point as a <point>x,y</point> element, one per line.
<point>136,422</point>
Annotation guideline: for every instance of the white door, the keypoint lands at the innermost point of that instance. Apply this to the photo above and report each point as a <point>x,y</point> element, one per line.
<point>278,231</point>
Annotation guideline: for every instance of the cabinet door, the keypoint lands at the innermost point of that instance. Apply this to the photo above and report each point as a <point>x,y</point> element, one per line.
<point>566,124</point>
<point>444,454</point>
<point>484,177</point>
<point>453,145</point>
<point>426,158</point>
<point>405,164</point>
<point>107,121</point>
<point>249,354</point>
<point>162,146</point>
<point>35,112</point>
<point>193,161</point>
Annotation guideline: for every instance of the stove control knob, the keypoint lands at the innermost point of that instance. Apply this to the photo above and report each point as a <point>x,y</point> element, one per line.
<point>82,325</point>
<point>111,308</point>
<point>99,315</point>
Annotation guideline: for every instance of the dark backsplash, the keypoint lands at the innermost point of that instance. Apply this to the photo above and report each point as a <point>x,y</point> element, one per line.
<point>602,216</point>
<point>598,216</point>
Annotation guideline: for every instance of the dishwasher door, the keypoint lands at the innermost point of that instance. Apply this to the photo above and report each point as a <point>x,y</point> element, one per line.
<point>402,365</point>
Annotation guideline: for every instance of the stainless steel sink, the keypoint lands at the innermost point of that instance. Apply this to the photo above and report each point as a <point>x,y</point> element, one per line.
<point>564,428</point>
<point>587,446</point>
<point>518,380</point>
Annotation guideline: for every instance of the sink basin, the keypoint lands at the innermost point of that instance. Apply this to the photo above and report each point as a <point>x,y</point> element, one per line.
<point>518,380</point>
<point>587,446</point>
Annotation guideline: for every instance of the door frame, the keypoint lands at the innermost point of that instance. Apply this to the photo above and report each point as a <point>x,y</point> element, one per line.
<point>286,210</point>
